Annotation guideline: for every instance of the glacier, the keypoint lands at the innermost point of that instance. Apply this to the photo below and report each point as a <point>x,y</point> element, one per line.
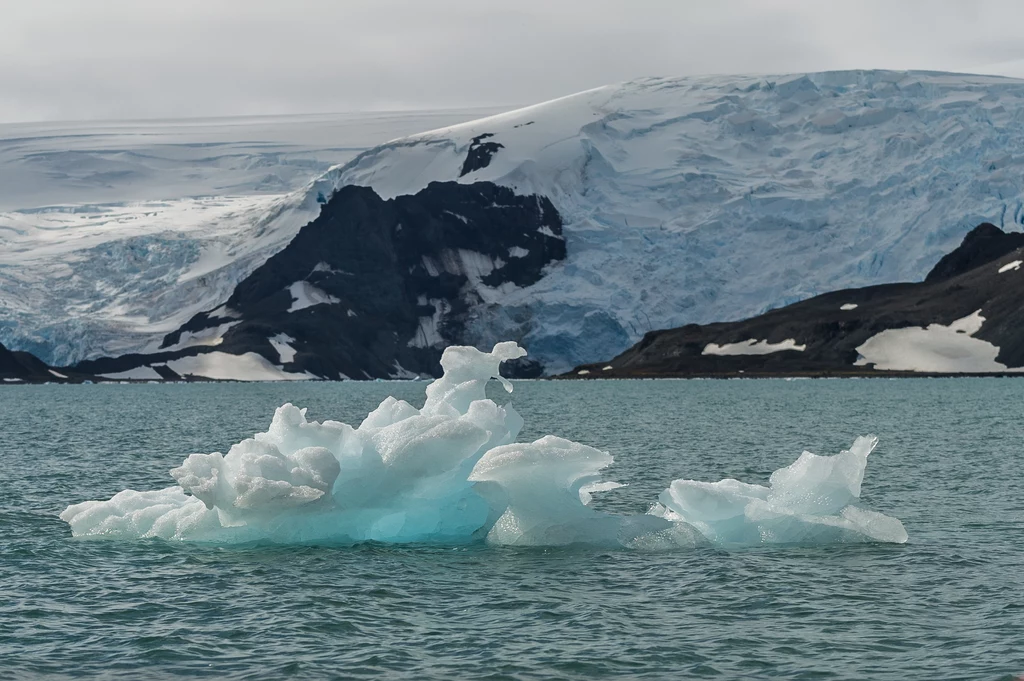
<point>683,200</point>
<point>113,233</point>
<point>703,199</point>
<point>453,473</point>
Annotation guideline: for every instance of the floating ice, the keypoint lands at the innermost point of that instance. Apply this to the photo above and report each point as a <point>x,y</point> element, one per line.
<point>452,472</point>
<point>808,502</point>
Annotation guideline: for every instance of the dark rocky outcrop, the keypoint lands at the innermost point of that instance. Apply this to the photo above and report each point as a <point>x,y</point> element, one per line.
<point>963,282</point>
<point>394,282</point>
<point>480,154</point>
<point>24,367</point>
<point>983,244</point>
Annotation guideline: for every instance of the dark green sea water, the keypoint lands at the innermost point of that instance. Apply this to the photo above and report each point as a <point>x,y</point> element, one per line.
<point>947,605</point>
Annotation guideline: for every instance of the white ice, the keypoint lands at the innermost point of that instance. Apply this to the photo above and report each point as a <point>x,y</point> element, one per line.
<point>1011,266</point>
<point>846,307</point>
<point>935,348</point>
<point>752,347</point>
<point>453,472</point>
<point>811,501</point>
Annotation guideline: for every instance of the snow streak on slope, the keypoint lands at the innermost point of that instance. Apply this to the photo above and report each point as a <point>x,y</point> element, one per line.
<point>114,233</point>
<point>716,198</point>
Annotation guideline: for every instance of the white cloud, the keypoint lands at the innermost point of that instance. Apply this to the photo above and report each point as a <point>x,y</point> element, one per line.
<point>68,59</point>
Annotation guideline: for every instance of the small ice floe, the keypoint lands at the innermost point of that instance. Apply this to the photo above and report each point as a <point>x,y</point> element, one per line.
<point>848,306</point>
<point>811,501</point>
<point>936,348</point>
<point>1011,266</point>
<point>752,347</point>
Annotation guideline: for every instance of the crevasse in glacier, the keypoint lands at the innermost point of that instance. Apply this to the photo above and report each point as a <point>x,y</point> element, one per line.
<point>452,472</point>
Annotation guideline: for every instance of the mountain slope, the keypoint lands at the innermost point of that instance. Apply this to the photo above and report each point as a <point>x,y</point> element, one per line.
<point>114,233</point>
<point>370,289</point>
<point>966,317</point>
<point>23,367</point>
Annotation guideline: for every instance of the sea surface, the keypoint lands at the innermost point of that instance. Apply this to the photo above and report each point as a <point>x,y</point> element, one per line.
<point>949,604</point>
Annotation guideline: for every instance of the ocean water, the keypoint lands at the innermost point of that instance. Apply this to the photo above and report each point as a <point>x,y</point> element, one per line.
<point>949,604</point>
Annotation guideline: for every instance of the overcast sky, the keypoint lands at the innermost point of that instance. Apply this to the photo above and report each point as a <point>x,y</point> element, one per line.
<point>87,59</point>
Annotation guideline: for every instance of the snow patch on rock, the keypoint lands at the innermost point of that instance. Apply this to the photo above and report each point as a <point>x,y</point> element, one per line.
<point>143,373</point>
<point>306,295</point>
<point>752,347</point>
<point>203,338</point>
<point>222,366</point>
<point>428,334</point>
<point>935,348</point>
<point>282,343</point>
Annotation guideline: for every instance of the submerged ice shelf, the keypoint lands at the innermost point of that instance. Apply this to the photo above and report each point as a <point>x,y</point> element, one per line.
<point>452,472</point>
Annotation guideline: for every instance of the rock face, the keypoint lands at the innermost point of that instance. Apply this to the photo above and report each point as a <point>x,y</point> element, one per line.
<point>23,367</point>
<point>983,244</point>
<point>480,153</point>
<point>966,317</point>
<point>372,288</point>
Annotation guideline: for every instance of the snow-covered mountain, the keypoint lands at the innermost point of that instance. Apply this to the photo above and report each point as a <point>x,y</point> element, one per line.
<point>681,200</point>
<point>115,233</point>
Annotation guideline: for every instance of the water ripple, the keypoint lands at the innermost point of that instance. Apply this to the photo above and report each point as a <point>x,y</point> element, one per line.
<point>947,605</point>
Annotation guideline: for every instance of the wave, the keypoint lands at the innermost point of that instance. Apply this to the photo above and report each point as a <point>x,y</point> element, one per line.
<point>452,473</point>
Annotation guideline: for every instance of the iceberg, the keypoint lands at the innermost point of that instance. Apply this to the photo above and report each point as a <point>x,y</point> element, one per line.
<point>453,473</point>
<point>811,501</point>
